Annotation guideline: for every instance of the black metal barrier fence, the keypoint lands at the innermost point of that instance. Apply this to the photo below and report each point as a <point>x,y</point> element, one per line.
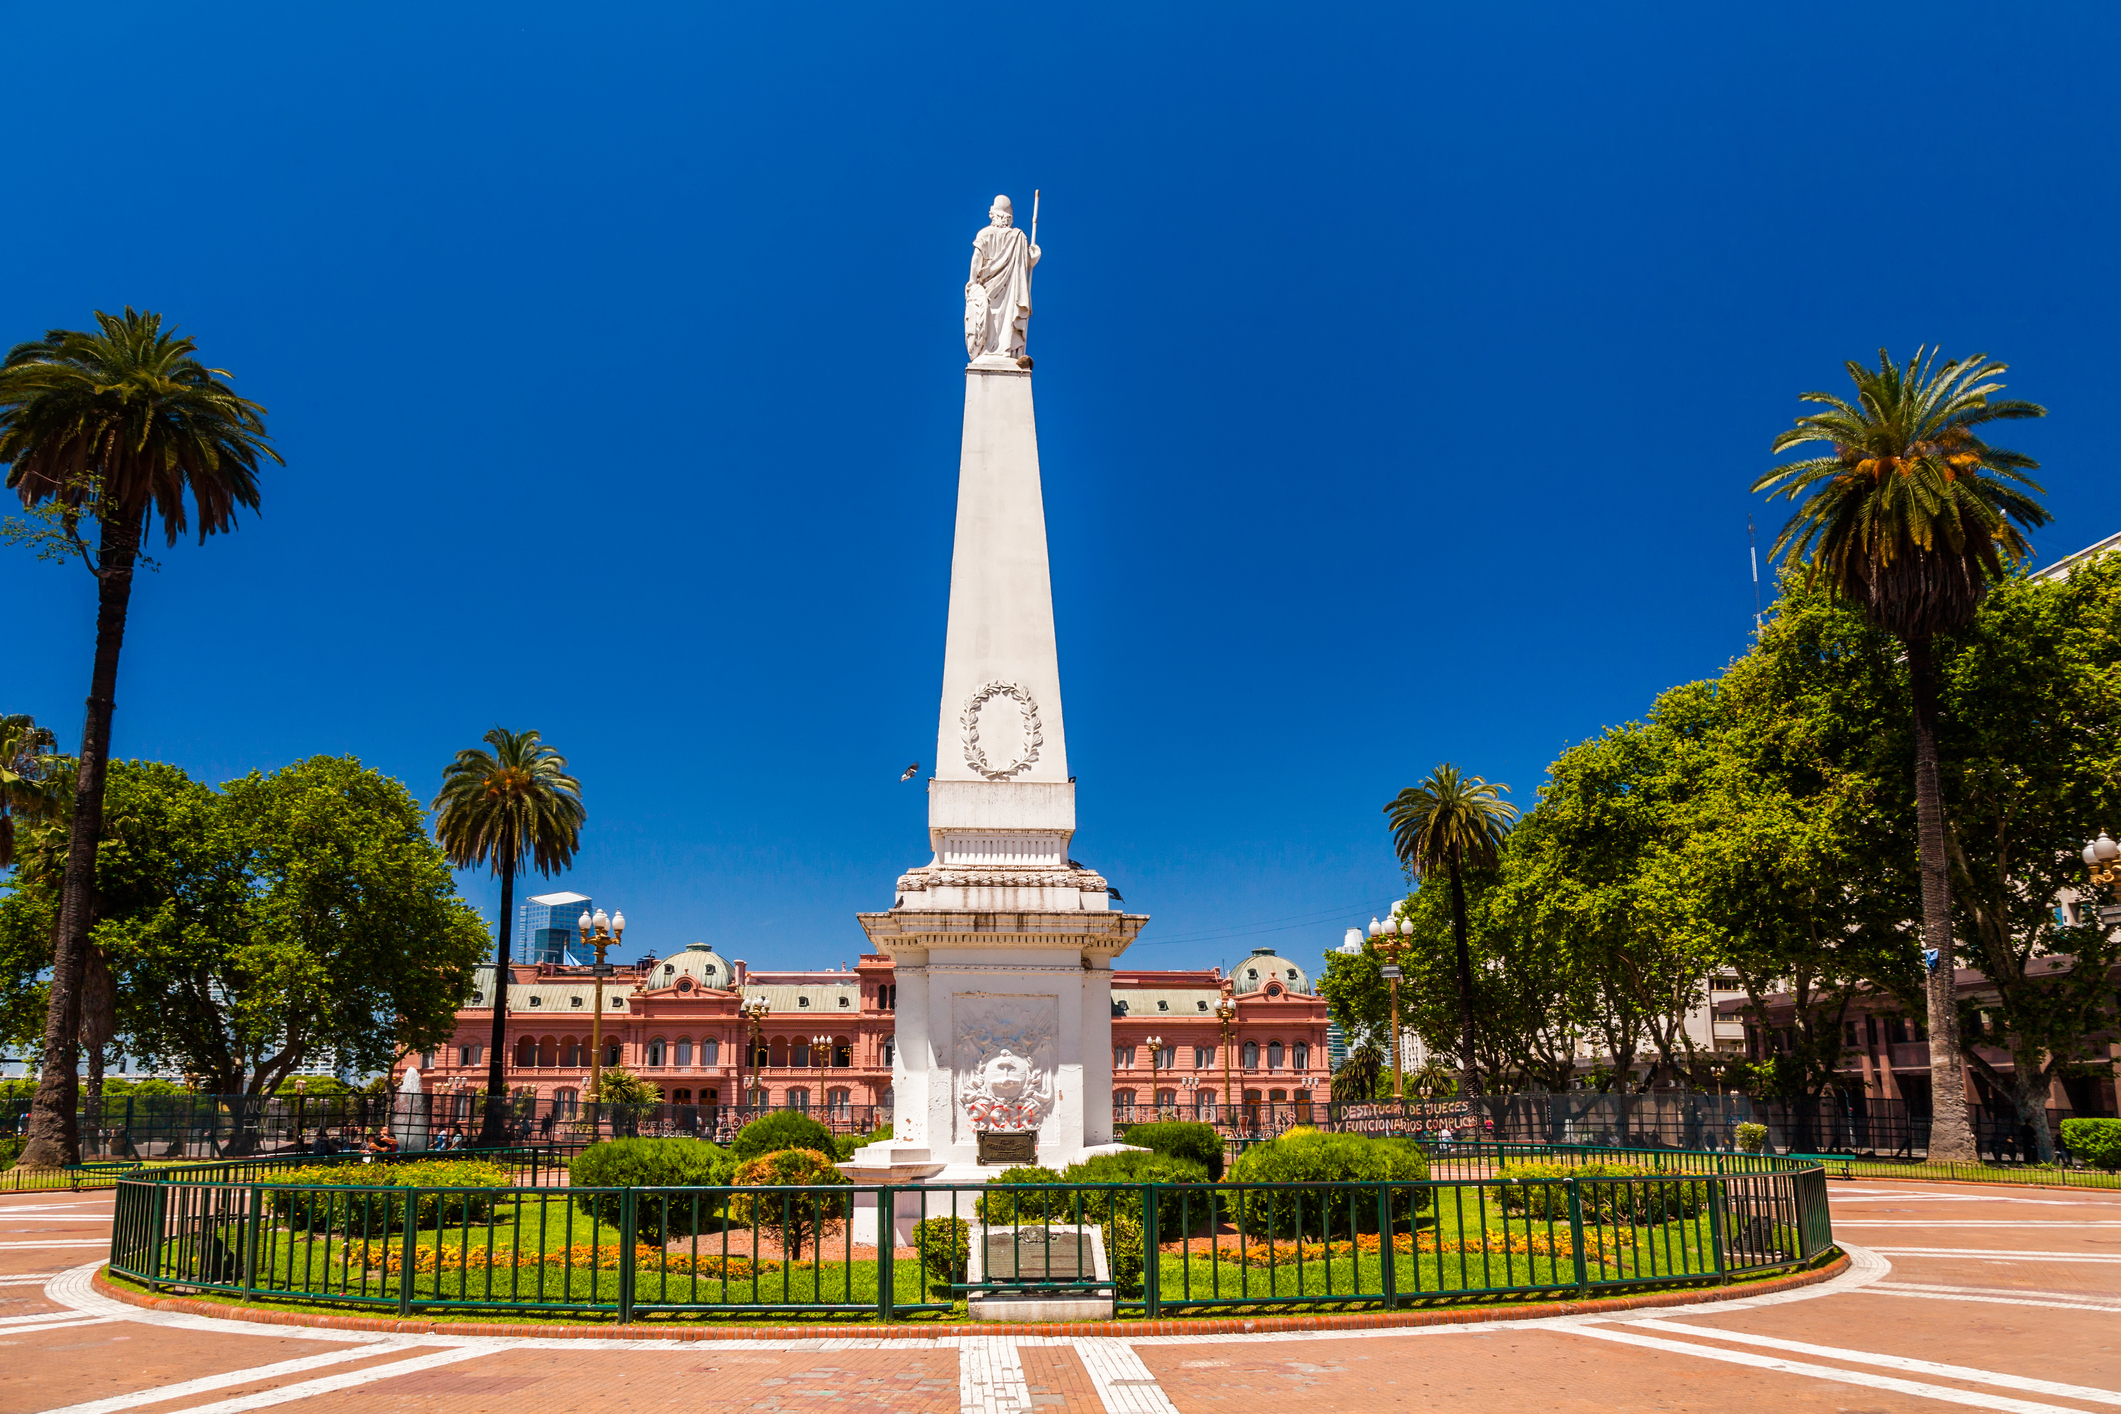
<point>1476,1232</point>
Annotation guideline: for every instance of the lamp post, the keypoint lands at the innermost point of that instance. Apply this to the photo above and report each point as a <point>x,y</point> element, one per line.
<point>755,1010</point>
<point>1389,940</point>
<point>1226,1013</point>
<point>1156,1050</point>
<point>821,1055</point>
<point>601,932</point>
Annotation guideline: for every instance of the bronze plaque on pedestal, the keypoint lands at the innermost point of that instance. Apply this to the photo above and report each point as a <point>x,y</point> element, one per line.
<point>1007,1150</point>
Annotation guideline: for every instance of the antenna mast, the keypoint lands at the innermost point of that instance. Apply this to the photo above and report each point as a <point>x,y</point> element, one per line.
<point>1752,551</point>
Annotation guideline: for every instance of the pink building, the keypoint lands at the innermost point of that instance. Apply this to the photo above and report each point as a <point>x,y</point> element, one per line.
<point>826,1046</point>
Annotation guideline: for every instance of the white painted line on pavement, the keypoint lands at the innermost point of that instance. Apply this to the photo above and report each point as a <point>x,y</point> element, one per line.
<point>1996,1255</point>
<point>43,1316</point>
<point>63,1242</point>
<point>330,1384</point>
<point>990,1376</point>
<point>207,1383</point>
<point>58,1321</point>
<point>1891,1289</point>
<point>1969,1374</point>
<point>2028,1223</point>
<point>1122,1381</point>
<point>1818,1372</point>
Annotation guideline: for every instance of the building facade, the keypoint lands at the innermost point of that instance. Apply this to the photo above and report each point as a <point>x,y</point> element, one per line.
<point>827,1043</point>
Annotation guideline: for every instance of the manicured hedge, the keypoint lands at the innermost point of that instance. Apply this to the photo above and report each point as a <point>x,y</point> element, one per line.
<point>1181,1139</point>
<point>2095,1141</point>
<point>1535,1189</point>
<point>1311,1156</point>
<point>288,1197</point>
<point>653,1163</point>
<point>783,1129</point>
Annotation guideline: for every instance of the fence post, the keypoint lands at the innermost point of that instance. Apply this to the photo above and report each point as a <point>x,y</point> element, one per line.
<point>409,1250</point>
<point>1387,1254</point>
<point>250,1242</point>
<point>1583,1270</point>
<point>1716,1198</point>
<point>1152,1293</point>
<point>629,1228</point>
<point>158,1214</point>
<point>886,1251</point>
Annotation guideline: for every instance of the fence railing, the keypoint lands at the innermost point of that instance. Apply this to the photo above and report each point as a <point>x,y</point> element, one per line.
<point>891,1252</point>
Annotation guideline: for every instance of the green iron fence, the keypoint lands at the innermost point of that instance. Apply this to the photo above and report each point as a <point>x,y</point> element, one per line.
<point>1477,1232</point>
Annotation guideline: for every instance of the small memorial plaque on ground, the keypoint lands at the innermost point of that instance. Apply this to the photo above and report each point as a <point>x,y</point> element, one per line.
<point>1035,1254</point>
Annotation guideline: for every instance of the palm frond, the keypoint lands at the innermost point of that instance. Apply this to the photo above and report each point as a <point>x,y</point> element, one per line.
<point>1449,818</point>
<point>512,804</point>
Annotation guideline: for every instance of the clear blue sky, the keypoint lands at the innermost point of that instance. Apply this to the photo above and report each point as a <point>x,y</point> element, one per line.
<point>1400,377</point>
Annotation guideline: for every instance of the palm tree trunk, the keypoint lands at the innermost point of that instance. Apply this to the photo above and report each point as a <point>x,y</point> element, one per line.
<point>492,1131</point>
<point>1951,1130</point>
<point>1468,1075</point>
<point>52,1136</point>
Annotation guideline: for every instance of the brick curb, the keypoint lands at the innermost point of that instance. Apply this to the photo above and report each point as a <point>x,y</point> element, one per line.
<point>1211,1325</point>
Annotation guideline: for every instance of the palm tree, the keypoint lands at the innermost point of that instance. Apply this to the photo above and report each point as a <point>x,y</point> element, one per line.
<point>29,771</point>
<point>1909,518</point>
<point>498,808</point>
<point>1453,823</point>
<point>109,427</point>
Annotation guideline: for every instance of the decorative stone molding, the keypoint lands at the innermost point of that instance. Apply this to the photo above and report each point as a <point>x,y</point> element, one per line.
<point>1003,1070</point>
<point>930,877</point>
<point>968,720</point>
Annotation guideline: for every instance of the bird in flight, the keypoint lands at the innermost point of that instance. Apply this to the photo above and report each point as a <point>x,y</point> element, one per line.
<point>911,771</point>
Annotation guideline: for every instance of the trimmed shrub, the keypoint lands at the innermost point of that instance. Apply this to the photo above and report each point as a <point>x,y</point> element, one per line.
<point>11,1147</point>
<point>654,1163</point>
<point>1315,1157</point>
<point>1181,1139</point>
<point>1537,1190</point>
<point>1023,1207</point>
<point>1123,1254</point>
<point>945,1245</point>
<point>1752,1138</point>
<point>783,1129</point>
<point>341,1211</point>
<point>2094,1141</point>
<point>791,1217</point>
<point>1177,1206</point>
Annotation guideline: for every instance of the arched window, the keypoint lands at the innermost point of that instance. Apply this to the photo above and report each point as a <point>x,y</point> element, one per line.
<point>1123,1101</point>
<point>890,1050</point>
<point>1301,1059</point>
<point>655,1051</point>
<point>563,1103</point>
<point>1167,1103</point>
<point>799,1054</point>
<point>611,1053</point>
<point>836,1101</point>
<point>842,1053</point>
<point>1204,1106</point>
<point>684,1053</point>
<point>780,1053</point>
<point>527,1052</point>
<point>1274,1055</point>
<point>761,1055</point>
<point>547,1051</point>
<point>1277,1097</point>
<point>710,1052</point>
<point>888,1100</point>
<point>570,1051</point>
<point>799,1099</point>
<point>1303,1106</point>
<point>1251,1055</point>
<point>681,1097</point>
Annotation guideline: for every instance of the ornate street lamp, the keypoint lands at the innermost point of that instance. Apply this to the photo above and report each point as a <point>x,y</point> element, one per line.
<point>602,932</point>
<point>1389,940</point>
<point>1226,1013</point>
<point>755,1009</point>
<point>821,1055</point>
<point>1156,1051</point>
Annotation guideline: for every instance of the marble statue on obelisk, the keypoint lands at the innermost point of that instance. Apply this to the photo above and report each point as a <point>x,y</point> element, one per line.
<point>1002,945</point>
<point>998,291</point>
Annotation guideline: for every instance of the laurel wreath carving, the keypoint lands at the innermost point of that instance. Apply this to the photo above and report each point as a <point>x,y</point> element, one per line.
<point>1034,734</point>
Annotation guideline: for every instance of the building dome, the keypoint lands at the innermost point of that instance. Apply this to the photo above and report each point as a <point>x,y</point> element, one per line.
<point>702,964</point>
<point>1262,967</point>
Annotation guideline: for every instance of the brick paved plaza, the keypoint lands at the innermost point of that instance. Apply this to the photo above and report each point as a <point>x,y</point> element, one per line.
<point>1960,1296</point>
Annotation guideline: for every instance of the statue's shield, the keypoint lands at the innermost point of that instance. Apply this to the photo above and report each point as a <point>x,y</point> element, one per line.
<point>975,318</point>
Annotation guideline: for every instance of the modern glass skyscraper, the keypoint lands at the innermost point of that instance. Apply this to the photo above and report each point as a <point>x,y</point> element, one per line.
<point>546,931</point>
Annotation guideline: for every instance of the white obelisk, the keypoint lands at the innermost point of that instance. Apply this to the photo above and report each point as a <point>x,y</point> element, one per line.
<point>1003,946</point>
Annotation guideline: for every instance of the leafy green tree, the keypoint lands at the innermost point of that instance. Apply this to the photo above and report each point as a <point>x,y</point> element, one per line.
<point>110,427</point>
<point>499,809</point>
<point>255,928</point>
<point>1910,516</point>
<point>30,771</point>
<point>1447,824</point>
